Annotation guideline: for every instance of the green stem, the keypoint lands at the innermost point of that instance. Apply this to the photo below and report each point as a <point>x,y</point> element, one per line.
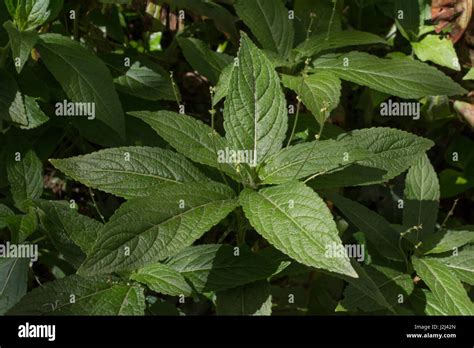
<point>298,106</point>
<point>402,235</point>
<point>226,233</point>
<point>318,136</point>
<point>450,213</point>
<point>95,205</point>
<point>332,19</point>
<point>241,232</point>
<point>294,123</point>
<point>213,115</point>
<point>37,240</point>
<point>76,23</point>
<point>173,84</point>
<point>310,27</point>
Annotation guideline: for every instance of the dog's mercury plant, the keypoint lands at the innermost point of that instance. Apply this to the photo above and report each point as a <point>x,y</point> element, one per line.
<point>253,207</point>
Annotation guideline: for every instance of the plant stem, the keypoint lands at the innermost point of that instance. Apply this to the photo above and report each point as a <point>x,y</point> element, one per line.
<point>402,235</point>
<point>240,228</point>
<point>450,213</point>
<point>332,19</point>
<point>95,205</point>
<point>213,114</point>
<point>298,106</point>
<point>173,84</point>
<point>295,122</point>
<point>76,23</point>
<point>37,240</point>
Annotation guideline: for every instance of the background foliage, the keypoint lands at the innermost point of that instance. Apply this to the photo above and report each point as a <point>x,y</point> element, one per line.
<point>134,213</point>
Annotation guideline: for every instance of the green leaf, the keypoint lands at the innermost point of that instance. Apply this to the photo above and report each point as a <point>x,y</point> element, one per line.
<point>143,82</point>
<point>409,17</point>
<point>316,17</point>
<point>222,88</point>
<point>309,159</point>
<point>25,177</point>
<point>29,14</point>
<point>26,112</point>
<point>217,267</point>
<point>375,228</point>
<point>162,307</point>
<point>35,116</point>
<point>446,240</point>
<point>249,299</point>
<point>469,75</point>
<point>462,264</point>
<point>325,294</point>
<point>446,288</point>
<point>401,77</point>
<point>453,183</point>
<point>286,265</point>
<point>55,6</point>
<point>11,6</point>
<point>21,44</point>
<point>255,115</point>
<point>322,42</point>
<point>11,102</point>
<point>189,136</point>
<point>62,221</point>
<point>438,50</point>
<point>366,285</point>
<point>130,171</point>
<point>296,221</point>
<point>425,302</point>
<point>394,151</point>
<point>391,284</point>
<point>22,226</point>
<point>14,276</point>
<point>319,92</point>
<point>84,78</point>
<point>163,279</point>
<point>5,212</point>
<point>146,230</point>
<point>92,296</point>
<point>202,59</point>
<point>270,23</point>
<point>275,59</point>
<point>63,238</point>
<point>421,197</point>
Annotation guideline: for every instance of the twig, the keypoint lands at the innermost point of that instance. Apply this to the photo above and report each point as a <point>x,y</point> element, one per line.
<point>173,84</point>
<point>450,213</point>
<point>332,19</point>
<point>95,205</point>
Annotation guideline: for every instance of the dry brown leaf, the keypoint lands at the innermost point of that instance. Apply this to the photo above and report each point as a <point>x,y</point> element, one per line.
<point>457,13</point>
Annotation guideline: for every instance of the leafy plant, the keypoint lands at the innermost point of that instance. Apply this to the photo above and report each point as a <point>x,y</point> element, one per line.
<point>233,173</point>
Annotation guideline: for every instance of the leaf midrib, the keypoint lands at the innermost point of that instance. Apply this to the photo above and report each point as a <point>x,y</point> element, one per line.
<point>96,93</point>
<point>8,276</point>
<point>446,290</point>
<point>138,174</point>
<point>378,74</point>
<point>161,223</point>
<point>307,233</point>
